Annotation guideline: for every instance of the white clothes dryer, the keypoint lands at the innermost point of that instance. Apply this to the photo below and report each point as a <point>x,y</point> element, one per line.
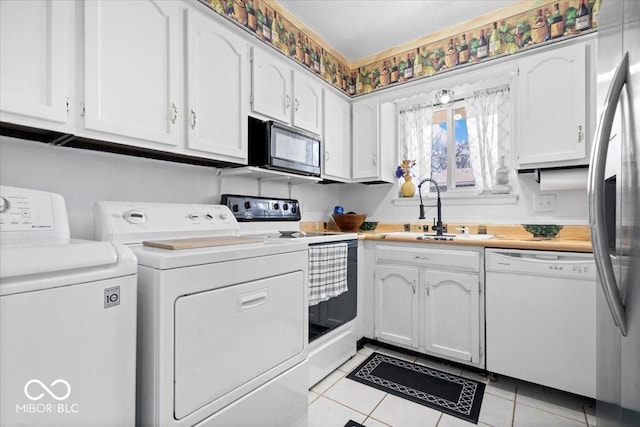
<point>223,320</point>
<point>67,319</point>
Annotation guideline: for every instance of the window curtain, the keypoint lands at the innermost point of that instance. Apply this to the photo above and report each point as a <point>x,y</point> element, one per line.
<point>414,124</point>
<point>488,126</point>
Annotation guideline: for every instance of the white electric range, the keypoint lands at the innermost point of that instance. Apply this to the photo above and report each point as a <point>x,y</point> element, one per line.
<point>221,328</point>
<point>332,322</point>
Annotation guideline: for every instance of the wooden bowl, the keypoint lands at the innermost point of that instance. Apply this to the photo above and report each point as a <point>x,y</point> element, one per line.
<point>349,222</point>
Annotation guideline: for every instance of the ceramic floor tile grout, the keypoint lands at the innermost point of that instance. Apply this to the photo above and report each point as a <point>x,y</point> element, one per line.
<point>347,406</point>
<point>515,405</point>
<point>376,407</point>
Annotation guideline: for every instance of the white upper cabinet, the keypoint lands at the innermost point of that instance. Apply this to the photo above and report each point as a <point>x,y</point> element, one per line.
<point>553,107</point>
<point>365,140</point>
<point>216,90</point>
<point>271,86</point>
<point>36,62</point>
<point>307,103</point>
<point>374,141</point>
<point>281,93</point>
<point>336,138</point>
<point>133,78</point>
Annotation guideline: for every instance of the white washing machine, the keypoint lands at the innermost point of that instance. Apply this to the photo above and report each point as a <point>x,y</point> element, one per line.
<point>67,319</point>
<point>223,321</point>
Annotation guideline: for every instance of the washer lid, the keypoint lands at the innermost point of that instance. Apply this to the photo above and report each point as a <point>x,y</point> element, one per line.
<point>27,260</point>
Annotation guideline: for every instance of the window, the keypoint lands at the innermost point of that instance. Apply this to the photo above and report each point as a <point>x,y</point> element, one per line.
<point>449,134</point>
<point>460,146</point>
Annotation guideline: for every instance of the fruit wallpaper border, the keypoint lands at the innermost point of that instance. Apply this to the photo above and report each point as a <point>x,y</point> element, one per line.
<point>548,21</point>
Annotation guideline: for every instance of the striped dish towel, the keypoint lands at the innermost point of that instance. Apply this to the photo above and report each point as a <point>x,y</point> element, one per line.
<point>327,272</point>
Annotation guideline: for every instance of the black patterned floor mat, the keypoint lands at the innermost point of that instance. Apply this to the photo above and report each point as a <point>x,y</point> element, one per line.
<point>451,394</point>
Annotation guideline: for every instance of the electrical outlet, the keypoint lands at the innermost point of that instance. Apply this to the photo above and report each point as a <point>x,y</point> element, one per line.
<point>545,202</point>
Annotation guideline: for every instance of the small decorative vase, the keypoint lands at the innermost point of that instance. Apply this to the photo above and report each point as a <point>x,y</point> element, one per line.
<point>408,188</point>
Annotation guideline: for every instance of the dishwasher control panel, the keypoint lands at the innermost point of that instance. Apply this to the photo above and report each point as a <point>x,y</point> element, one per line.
<point>544,263</point>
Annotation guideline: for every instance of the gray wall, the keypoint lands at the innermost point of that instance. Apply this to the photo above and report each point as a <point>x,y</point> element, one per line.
<point>83,177</point>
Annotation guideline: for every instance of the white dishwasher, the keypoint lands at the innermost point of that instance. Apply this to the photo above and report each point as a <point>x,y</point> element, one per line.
<point>540,317</point>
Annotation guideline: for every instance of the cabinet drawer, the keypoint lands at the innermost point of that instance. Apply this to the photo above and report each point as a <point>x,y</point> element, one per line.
<point>444,258</point>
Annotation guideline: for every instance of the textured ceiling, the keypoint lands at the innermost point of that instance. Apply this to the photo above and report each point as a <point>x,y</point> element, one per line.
<point>360,28</point>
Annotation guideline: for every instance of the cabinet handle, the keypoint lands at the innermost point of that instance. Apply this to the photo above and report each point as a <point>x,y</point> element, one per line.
<point>326,155</point>
<point>174,113</point>
<point>297,104</point>
<point>288,102</point>
<point>580,134</point>
<point>413,287</point>
<point>426,258</point>
<point>428,289</point>
<point>194,119</point>
<point>375,159</point>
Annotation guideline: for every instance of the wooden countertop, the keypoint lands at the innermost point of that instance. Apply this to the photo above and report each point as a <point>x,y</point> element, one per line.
<point>572,238</point>
<point>553,244</point>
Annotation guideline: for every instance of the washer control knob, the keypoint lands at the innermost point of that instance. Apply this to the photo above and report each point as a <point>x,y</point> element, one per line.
<point>193,215</point>
<point>4,205</point>
<point>208,216</point>
<point>135,216</point>
<point>223,215</point>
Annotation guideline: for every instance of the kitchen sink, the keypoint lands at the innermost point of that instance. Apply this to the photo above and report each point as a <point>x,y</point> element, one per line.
<point>432,236</point>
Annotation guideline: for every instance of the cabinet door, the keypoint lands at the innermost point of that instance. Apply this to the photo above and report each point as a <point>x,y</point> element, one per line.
<point>336,138</point>
<point>365,140</point>
<point>451,315</point>
<point>270,87</point>
<point>307,103</point>
<point>551,108</point>
<point>133,79</point>
<point>217,66</point>
<point>396,305</point>
<point>34,60</point>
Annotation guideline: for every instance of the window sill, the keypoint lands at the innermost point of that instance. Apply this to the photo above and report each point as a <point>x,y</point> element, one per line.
<point>459,199</point>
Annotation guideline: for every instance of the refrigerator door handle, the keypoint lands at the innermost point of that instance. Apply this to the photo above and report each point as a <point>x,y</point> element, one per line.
<point>599,236</point>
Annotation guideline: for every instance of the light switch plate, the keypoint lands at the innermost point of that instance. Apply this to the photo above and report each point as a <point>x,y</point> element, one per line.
<point>544,202</point>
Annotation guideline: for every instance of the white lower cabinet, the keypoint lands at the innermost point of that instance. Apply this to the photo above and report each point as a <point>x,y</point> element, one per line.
<point>429,300</point>
<point>451,316</point>
<point>397,305</point>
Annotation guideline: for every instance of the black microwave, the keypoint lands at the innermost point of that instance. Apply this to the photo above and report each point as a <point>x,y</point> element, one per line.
<point>273,145</point>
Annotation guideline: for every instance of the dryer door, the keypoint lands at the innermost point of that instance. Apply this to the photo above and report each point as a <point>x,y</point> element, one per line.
<point>228,337</point>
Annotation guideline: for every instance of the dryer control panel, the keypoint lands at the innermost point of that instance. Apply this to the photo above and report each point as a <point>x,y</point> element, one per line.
<point>132,222</point>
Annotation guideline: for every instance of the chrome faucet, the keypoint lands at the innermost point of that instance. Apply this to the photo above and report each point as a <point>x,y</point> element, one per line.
<point>438,228</point>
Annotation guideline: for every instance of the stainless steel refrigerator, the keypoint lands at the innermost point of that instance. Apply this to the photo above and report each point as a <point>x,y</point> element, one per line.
<point>614,214</point>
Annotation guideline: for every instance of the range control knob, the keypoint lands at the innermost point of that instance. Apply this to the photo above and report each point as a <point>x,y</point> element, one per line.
<point>235,208</point>
<point>193,215</point>
<point>276,206</point>
<point>4,205</point>
<point>294,209</point>
<point>247,205</point>
<point>285,206</point>
<point>135,216</point>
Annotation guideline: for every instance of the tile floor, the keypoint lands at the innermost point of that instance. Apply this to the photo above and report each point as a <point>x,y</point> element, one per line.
<point>507,402</point>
